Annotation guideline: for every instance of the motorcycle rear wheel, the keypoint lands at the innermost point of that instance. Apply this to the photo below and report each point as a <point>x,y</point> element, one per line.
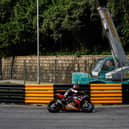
<point>54,106</point>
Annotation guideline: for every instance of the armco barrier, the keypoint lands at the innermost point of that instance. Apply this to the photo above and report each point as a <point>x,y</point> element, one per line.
<point>106,93</point>
<point>39,93</point>
<point>12,93</point>
<point>44,93</point>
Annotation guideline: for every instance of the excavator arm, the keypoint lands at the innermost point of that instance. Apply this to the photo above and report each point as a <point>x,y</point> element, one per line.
<point>114,40</point>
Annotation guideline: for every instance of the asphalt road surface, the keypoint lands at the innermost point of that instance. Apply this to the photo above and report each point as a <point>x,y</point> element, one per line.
<point>37,117</point>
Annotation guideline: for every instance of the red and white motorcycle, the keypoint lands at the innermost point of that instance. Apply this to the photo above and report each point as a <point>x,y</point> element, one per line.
<point>74,103</point>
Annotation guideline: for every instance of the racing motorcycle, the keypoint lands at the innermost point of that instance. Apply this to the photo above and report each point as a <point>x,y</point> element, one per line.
<point>74,103</point>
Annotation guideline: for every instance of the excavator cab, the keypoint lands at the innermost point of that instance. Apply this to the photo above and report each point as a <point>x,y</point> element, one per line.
<point>102,66</point>
<point>103,70</point>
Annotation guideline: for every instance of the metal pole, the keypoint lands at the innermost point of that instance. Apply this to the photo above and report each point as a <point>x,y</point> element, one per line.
<point>38,58</point>
<point>24,72</point>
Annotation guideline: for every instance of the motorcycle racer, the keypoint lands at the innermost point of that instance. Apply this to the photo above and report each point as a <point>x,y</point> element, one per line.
<point>74,91</point>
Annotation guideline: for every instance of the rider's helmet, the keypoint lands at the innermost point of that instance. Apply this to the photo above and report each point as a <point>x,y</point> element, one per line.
<point>75,86</point>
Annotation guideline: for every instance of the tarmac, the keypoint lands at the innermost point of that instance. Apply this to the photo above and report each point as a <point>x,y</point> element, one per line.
<point>37,117</point>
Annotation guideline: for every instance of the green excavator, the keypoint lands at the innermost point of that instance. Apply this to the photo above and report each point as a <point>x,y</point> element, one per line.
<point>112,69</point>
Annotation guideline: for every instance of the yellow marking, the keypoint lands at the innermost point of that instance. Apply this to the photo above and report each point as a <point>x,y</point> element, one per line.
<point>39,95</point>
<point>106,98</point>
<point>105,92</point>
<point>37,101</point>
<point>38,98</point>
<point>115,101</point>
<point>39,88</point>
<point>97,95</point>
<point>39,92</point>
<point>105,88</point>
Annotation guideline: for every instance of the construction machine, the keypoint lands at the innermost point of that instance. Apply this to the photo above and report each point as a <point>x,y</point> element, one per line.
<point>112,69</point>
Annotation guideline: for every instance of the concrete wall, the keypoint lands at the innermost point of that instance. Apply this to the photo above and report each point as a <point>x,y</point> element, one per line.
<point>53,69</point>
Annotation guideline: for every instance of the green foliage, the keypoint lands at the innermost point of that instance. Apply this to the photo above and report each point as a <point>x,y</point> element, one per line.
<point>18,31</point>
<point>66,26</point>
<point>120,11</point>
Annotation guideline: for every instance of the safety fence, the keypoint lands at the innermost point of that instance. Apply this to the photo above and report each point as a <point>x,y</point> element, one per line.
<point>53,69</point>
<point>44,93</point>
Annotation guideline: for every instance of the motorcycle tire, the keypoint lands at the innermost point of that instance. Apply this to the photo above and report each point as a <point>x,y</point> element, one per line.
<point>54,106</point>
<point>88,108</point>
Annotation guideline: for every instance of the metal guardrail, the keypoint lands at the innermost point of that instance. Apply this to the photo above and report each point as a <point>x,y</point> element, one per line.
<point>44,93</point>
<point>12,93</point>
<point>39,93</point>
<point>106,93</point>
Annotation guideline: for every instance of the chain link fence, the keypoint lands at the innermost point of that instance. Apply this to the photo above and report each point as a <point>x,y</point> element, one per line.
<point>53,69</point>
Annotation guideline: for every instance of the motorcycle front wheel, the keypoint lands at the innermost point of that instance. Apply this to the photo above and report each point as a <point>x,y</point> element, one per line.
<point>88,107</point>
<point>54,106</point>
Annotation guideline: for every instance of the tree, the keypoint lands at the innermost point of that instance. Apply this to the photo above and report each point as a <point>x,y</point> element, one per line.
<point>120,13</point>
<point>71,26</point>
<point>65,25</point>
<point>17,32</point>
